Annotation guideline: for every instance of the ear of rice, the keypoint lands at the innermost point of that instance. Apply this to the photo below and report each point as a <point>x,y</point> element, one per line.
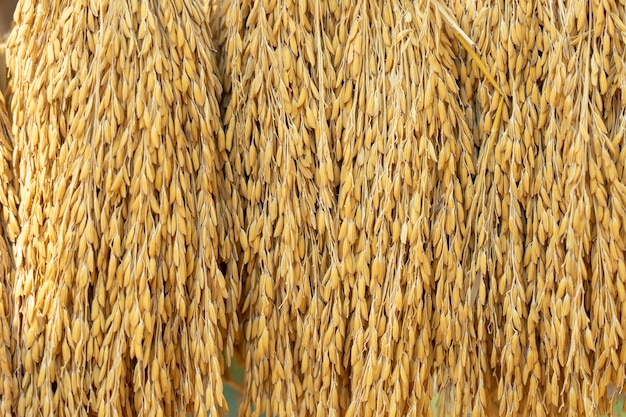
<point>601,341</point>
<point>592,197</point>
<point>494,246</point>
<point>480,302</point>
<point>122,304</point>
<point>29,320</point>
<point>327,358</point>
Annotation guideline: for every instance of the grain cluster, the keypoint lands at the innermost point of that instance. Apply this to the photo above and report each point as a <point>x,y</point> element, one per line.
<point>369,203</point>
<point>548,216</point>
<point>461,230</point>
<point>124,291</point>
<point>344,127</point>
<point>277,65</point>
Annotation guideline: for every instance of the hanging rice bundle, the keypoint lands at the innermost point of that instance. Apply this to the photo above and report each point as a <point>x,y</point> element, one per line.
<point>122,306</point>
<point>582,198</point>
<point>279,82</point>
<point>547,224</point>
<point>371,280</point>
<point>459,348</point>
<point>8,233</point>
<point>396,114</point>
<point>518,52</point>
<point>493,244</point>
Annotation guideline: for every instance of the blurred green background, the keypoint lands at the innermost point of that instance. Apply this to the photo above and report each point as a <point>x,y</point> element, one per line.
<point>232,396</point>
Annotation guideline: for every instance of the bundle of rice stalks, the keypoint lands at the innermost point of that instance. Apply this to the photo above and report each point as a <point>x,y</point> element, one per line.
<point>487,253</point>
<point>8,233</point>
<point>504,192</point>
<point>122,305</point>
<point>580,297</point>
<point>405,160</point>
<point>339,284</point>
<point>549,197</point>
<point>278,72</point>
<point>463,230</point>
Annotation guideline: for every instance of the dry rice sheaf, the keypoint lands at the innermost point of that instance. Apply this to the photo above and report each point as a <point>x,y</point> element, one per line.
<point>122,306</point>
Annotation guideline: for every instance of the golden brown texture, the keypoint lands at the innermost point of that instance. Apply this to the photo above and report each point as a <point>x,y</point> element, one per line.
<point>325,252</point>
<point>417,196</point>
<point>399,150</point>
<point>123,307</point>
<point>467,205</point>
<point>278,85</point>
<point>546,203</point>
